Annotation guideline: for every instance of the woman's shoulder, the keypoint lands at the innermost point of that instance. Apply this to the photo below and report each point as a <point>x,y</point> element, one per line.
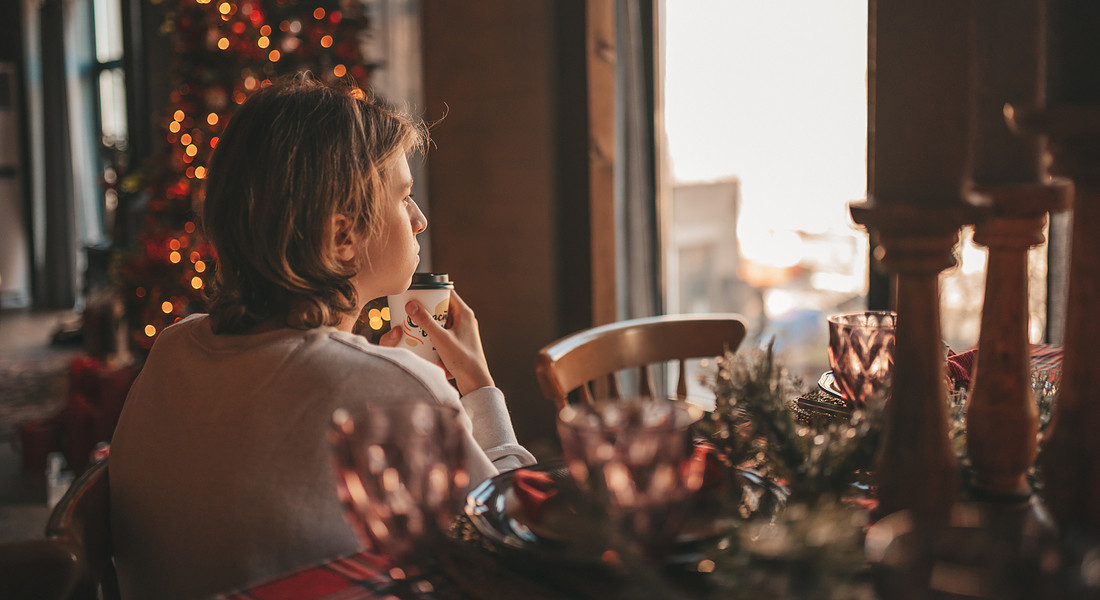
<point>346,352</point>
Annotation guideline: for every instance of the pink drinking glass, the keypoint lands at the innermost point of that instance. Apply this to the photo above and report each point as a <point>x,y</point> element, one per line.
<point>401,476</point>
<point>631,455</point>
<point>861,354</point>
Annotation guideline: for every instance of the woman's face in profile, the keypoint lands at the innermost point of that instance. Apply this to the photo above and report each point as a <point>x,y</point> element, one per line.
<point>392,255</point>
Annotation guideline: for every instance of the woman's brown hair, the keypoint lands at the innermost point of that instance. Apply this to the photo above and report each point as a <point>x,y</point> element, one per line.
<point>294,155</point>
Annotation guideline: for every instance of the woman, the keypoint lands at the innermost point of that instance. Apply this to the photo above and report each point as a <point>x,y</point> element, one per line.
<point>220,471</point>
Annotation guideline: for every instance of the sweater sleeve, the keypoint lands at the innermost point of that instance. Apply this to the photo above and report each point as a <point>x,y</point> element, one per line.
<point>492,429</point>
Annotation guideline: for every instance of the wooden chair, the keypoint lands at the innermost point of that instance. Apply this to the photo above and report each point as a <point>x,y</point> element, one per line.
<point>37,568</point>
<point>81,523</point>
<point>598,354</point>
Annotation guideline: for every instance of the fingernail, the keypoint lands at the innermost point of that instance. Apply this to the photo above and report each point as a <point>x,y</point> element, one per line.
<point>411,308</point>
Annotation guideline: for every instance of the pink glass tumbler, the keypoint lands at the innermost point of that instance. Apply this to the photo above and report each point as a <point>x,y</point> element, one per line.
<point>861,354</point>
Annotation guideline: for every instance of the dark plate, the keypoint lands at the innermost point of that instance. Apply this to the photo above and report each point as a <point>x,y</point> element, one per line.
<point>494,511</point>
<point>827,382</point>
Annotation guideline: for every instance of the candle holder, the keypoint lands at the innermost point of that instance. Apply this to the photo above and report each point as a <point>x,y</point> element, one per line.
<point>917,468</point>
<point>1070,460</point>
<point>1002,418</point>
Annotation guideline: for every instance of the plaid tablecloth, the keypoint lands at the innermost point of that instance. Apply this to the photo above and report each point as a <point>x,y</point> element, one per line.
<point>360,576</point>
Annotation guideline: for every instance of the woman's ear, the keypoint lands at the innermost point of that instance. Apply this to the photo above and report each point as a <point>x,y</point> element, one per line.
<point>344,237</point>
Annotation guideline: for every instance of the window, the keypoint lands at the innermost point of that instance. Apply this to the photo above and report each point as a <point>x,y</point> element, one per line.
<point>110,100</point>
<point>765,113</point>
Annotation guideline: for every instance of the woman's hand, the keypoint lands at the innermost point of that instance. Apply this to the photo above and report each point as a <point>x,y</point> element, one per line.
<point>459,347</point>
<point>391,338</point>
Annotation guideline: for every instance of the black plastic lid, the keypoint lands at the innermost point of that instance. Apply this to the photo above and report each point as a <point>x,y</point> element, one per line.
<point>431,281</point>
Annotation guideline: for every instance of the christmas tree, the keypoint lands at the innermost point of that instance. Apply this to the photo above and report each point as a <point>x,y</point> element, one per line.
<point>222,52</point>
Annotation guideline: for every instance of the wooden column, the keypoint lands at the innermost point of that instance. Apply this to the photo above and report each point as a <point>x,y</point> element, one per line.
<point>919,147</point>
<point>1071,455</point>
<point>600,62</point>
<point>1002,418</point>
<point>916,468</point>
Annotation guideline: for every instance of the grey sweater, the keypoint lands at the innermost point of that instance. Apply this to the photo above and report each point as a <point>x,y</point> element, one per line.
<point>220,471</point>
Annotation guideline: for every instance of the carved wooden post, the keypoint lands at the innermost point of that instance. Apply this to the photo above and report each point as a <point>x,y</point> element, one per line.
<point>1071,451</point>
<point>916,468</point>
<point>1070,457</point>
<point>1002,418</point>
<point>919,88</point>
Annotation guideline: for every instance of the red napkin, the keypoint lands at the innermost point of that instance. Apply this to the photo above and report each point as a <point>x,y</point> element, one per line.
<point>534,490</point>
<point>703,471</point>
<point>959,367</point>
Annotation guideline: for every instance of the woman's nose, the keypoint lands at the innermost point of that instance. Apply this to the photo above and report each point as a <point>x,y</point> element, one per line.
<point>419,221</point>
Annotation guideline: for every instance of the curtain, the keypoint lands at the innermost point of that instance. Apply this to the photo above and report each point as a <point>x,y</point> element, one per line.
<point>56,261</point>
<point>61,100</point>
<point>638,268</point>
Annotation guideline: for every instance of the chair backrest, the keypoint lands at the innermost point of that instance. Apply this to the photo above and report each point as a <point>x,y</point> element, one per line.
<point>37,568</point>
<point>81,522</point>
<point>598,354</point>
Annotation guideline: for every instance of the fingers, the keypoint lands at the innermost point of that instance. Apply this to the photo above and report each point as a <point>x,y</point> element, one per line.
<point>423,319</point>
<point>391,338</point>
<point>459,347</point>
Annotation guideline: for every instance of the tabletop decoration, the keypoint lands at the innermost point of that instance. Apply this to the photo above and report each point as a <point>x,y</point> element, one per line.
<point>816,541</point>
<point>753,422</point>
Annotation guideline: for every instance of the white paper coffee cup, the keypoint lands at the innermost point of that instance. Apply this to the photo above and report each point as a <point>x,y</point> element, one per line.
<point>433,291</point>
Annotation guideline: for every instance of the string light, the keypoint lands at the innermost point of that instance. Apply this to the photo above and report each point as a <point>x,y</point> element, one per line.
<point>192,150</point>
<point>196,282</point>
<point>326,41</point>
<point>190,172</point>
<point>214,142</point>
<point>174,257</point>
<point>185,139</point>
<point>339,70</point>
<point>189,227</point>
<point>139,292</point>
<point>223,44</point>
<point>212,118</point>
<point>319,13</point>
<point>224,8</point>
<point>195,257</point>
<point>150,331</point>
<point>265,30</point>
<point>166,307</point>
<point>263,42</point>
<point>200,173</point>
<point>274,56</point>
<point>200,266</point>
<point>178,115</point>
<point>174,127</point>
<point>174,244</point>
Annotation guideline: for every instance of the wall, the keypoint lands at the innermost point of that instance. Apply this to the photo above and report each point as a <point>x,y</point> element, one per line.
<point>508,180</point>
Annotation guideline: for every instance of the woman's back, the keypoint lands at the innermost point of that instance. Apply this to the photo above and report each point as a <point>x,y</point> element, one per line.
<point>220,471</point>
